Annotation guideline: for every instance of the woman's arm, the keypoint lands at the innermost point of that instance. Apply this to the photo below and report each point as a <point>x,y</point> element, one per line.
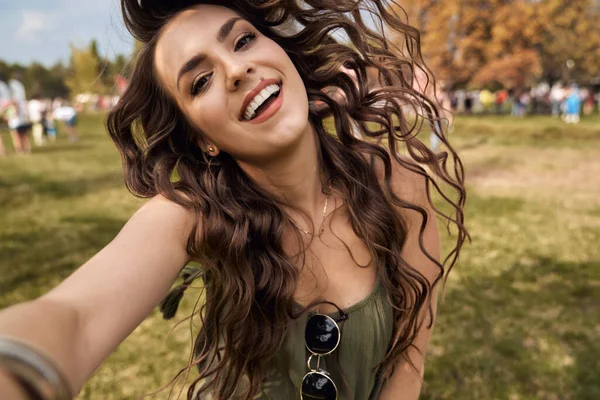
<point>405,383</point>
<point>81,321</point>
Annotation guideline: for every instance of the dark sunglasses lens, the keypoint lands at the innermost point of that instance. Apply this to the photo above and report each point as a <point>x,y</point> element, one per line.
<point>322,334</point>
<point>318,386</point>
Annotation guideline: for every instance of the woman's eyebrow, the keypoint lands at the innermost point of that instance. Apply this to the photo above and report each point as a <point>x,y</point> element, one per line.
<point>226,29</point>
<point>196,60</point>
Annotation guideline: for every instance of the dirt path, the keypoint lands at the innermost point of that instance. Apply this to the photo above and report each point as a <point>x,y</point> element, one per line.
<point>525,171</point>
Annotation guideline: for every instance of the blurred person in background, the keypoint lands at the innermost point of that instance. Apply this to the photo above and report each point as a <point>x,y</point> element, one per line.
<point>524,101</point>
<point>68,115</point>
<point>516,105</point>
<point>37,111</point>
<point>487,99</point>
<point>468,103</point>
<point>557,96</point>
<point>501,98</point>
<point>16,115</point>
<point>588,103</point>
<point>573,106</point>
<point>49,125</point>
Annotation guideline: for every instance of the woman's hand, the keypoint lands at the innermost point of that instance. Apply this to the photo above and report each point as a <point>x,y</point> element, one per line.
<point>10,389</point>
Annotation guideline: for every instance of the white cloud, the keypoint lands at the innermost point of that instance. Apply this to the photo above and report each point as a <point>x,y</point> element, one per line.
<point>32,22</point>
<point>41,30</point>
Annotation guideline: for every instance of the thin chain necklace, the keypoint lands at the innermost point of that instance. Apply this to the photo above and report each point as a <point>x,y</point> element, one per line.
<point>322,227</point>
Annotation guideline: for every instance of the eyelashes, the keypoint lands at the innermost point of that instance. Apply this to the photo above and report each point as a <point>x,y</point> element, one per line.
<point>246,40</point>
<point>200,83</point>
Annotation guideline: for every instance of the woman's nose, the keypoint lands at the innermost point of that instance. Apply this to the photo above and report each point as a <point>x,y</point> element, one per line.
<point>238,71</point>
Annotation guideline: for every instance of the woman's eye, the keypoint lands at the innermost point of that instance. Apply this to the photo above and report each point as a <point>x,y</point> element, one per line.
<point>199,84</point>
<point>246,40</point>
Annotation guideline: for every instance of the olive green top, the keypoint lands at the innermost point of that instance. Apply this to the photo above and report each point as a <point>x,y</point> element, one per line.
<point>365,337</point>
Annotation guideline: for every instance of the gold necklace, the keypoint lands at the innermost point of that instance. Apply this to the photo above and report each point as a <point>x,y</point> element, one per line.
<point>322,228</point>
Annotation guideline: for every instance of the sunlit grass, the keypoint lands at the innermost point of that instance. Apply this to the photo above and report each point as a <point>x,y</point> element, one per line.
<point>521,316</point>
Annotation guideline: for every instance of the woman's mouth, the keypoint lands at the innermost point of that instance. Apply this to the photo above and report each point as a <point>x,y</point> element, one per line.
<point>264,104</point>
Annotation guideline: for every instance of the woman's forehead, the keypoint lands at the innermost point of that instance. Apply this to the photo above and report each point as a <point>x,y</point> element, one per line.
<point>197,18</point>
<point>187,34</point>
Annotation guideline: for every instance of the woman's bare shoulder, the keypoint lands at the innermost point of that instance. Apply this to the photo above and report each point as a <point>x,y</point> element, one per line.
<point>409,184</point>
<point>407,181</point>
<point>160,208</point>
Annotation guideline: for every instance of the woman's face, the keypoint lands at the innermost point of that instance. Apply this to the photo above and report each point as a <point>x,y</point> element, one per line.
<point>235,85</point>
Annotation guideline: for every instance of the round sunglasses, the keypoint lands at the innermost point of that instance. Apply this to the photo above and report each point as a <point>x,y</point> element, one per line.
<point>321,336</point>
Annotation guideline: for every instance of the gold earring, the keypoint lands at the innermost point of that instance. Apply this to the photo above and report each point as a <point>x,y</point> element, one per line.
<point>211,149</point>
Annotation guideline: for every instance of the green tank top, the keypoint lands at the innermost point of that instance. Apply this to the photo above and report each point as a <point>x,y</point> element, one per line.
<point>365,337</point>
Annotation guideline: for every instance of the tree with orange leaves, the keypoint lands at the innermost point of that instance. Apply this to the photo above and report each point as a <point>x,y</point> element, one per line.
<point>509,43</point>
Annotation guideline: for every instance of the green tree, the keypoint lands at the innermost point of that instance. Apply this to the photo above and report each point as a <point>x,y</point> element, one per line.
<point>119,64</point>
<point>85,76</point>
<point>55,85</point>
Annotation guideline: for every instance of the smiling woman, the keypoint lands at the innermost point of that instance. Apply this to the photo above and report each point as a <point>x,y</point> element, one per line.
<point>233,82</point>
<point>319,251</point>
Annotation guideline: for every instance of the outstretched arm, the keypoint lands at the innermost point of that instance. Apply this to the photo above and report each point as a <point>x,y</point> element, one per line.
<point>81,321</point>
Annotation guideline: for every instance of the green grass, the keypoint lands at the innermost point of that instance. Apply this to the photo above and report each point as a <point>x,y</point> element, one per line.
<point>534,131</point>
<point>521,315</point>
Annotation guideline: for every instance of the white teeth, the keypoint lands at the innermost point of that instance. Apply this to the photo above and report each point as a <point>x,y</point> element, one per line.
<point>259,99</point>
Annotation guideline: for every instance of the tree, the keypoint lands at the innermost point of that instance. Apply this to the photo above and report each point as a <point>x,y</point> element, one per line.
<point>119,64</point>
<point>515,71</point>
<point>55,86</point>
<point>454,34</point>
<point>571,31</point>
<point>37,79</point>
<point>531,39</point>
<point>85,76</point>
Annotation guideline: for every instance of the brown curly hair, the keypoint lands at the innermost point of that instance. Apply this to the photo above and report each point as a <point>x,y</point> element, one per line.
<point>237,236</point>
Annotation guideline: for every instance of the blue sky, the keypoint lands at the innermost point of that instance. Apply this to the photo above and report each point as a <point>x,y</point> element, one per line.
<point>41,30</point>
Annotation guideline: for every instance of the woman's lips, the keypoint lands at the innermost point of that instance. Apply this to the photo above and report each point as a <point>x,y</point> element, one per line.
<point>270,110</point>
<point>254,92</point>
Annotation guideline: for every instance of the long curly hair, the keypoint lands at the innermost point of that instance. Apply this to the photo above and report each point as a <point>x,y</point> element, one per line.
<point>237,235</point>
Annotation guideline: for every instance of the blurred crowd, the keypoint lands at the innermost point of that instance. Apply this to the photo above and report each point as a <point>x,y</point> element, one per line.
<point>34,122</point>
<point>566,101</point>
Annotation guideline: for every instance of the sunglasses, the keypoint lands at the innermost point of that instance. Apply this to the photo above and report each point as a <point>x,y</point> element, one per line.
<point>322,336</point>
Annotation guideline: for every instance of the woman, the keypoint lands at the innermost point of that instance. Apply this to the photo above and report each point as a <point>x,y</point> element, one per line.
<point>17,118</point>
<point>68,114</point>
<point>315,248</point>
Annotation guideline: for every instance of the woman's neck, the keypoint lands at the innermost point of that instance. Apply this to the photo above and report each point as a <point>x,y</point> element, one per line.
<point>297,178</point>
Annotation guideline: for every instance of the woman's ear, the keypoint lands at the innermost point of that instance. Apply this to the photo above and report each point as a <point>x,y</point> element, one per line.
<point>207,146</point>
<point>211,149</point>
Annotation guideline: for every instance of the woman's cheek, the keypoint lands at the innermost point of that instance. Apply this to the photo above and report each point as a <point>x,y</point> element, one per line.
<point>212,119</point>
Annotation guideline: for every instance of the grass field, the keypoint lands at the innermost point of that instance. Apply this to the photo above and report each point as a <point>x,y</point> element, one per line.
<point>521,316</point>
